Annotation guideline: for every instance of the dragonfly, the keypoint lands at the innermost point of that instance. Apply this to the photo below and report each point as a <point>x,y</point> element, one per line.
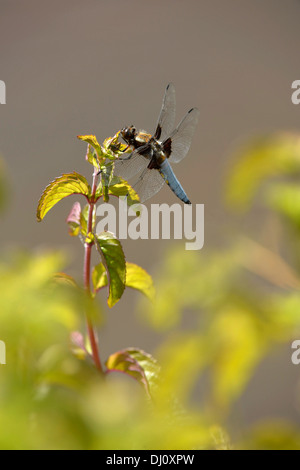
<point>152,155</point>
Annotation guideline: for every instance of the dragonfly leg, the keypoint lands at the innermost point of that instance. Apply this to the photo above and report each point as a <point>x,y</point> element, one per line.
<point>125,158</point>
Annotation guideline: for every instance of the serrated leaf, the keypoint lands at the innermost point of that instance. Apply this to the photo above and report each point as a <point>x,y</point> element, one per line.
<point>106,178</point>
<point>137,278</point>
<point>84,219</point>
<point>61,187</point>
<point>92,140</point>
<point>137,364</point>
<point>99,277</point>
<point>114,147</point>
<point>113,259</point>
<point>92,157</point>
<point>120,188</point>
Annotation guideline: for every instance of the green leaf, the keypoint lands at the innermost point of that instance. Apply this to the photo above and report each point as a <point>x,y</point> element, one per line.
<point>99,277</point>
<point>92,140</point>
<point>92,157</point>
<point>120,188</point>
<point>138,278</point>
<point>113,259</point>
<point>61,187</point>
<point>113,147</point>
<point>84,219</point>
<point>65,279</point>
<point>267,157</point>
<point>137,364</point>
<point>106,178</point>
<point>90,238</point>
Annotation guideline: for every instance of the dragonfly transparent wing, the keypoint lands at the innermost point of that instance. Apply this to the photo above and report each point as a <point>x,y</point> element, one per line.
<point>166,120</point>
<point>148,184</point>
<point>131,164</point>
<point>180,139</point>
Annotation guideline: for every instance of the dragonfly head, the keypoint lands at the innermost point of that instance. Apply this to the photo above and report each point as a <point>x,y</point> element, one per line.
<point>129,134</point>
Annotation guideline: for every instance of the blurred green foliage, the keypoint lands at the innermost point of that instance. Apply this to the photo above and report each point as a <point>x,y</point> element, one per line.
<point>242,302</point>
<point>263,160</point>
<point>52,399</point>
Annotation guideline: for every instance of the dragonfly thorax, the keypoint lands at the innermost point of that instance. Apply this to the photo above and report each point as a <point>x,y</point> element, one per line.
<point>155,154</point>
<point>157,148</point>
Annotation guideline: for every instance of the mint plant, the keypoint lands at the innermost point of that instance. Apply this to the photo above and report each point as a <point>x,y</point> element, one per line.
<point>112,272</point>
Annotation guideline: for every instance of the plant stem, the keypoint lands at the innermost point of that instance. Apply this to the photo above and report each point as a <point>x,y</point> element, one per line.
<point>87,276</point>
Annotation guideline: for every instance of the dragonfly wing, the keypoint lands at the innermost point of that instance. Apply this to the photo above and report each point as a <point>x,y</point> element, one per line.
<point>130,165</point>
<point>166,120</point>
<point>179,141</point>
<point>148,184</point>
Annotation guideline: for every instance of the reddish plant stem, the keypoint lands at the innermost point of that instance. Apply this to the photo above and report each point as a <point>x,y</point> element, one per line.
<point>87,276</point>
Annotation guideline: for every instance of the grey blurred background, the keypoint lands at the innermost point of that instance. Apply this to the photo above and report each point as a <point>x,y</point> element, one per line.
<point>74,67</point>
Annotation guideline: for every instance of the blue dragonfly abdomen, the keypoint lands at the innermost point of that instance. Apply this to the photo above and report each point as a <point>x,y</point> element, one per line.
<point>170,178</point>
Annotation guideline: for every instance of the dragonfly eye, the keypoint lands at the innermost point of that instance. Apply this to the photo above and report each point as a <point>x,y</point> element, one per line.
<point>128,134</point>
<point>124,131</point>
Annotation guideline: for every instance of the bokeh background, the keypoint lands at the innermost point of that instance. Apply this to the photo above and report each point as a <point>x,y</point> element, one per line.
<point>74,67</point>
